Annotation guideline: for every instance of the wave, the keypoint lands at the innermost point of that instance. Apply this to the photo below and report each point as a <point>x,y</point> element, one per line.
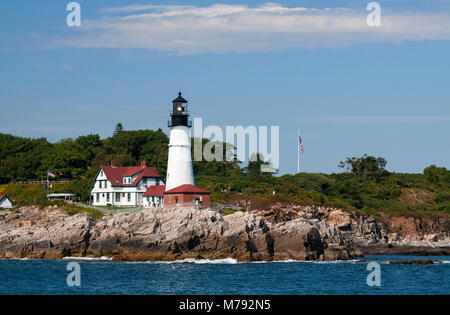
<point>205,261</point>
<point>88,258</point>
<point>193,261</point>
<point>234,261</point>
<point>186,261</point>
<point>350,261</point>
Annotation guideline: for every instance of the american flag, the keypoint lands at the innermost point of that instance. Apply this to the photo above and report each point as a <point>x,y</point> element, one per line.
<point>300,144</point>
<point>50,174</point>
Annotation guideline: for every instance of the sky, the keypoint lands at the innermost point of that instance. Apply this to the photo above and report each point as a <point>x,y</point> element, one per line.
<point>316,66</point>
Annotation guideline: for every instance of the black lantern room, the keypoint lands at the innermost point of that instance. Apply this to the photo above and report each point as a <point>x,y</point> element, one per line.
<point>179,112</point>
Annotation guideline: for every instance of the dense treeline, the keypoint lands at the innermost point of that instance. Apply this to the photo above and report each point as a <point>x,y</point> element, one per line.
<point>23,159</point>
<point>364,184</point>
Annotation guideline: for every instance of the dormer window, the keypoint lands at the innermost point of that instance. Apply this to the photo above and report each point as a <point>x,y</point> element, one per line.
<point>127,180</point>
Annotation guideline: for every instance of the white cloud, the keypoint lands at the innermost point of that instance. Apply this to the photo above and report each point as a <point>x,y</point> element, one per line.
<point>385,119</point>
<point>136,8</point>
<point>222,28</point>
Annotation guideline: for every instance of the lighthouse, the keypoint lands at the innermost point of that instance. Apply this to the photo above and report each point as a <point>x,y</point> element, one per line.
<point>179,165</point>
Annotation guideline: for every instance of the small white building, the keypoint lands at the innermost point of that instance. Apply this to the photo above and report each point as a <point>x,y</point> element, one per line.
<point>5,202</point>
<point>154,197</point>
<point>125,186</point>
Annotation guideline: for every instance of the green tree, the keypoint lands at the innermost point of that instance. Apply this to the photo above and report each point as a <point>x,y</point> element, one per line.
<point>118,129</point>
<point>364,167</point>
<point>435,175</point>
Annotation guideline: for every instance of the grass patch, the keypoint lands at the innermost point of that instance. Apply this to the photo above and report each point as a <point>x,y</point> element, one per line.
<point>73,209</point>
<point>227,211</point>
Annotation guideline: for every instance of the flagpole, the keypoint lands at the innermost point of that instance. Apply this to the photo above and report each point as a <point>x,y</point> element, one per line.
<point>298,152</point>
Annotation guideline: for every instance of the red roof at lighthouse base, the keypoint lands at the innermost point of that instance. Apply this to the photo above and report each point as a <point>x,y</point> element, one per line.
<point>187,188</point>
<point>157,190</point>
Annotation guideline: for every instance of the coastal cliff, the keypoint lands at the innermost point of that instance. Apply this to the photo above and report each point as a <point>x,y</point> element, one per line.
<point>298,233</point>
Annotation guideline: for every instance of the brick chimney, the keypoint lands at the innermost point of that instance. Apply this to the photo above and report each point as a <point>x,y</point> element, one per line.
<point>143,164</point>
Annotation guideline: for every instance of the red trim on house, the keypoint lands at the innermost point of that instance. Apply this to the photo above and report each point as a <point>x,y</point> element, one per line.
<point>157,191</point>
<point>2,197</point>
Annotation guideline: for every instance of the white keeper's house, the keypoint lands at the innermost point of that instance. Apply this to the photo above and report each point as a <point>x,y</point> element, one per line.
<point>128,186</point>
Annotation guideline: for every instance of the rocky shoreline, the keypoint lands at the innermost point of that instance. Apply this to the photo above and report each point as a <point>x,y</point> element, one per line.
<point>276,234</point>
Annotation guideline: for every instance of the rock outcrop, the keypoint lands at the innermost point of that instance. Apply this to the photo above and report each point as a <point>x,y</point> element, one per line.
<point>365,235</point>
<point>166,234</point>
<point>298,233</point>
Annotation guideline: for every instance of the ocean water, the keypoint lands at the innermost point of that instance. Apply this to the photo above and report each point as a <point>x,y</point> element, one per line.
<point>202,277</point>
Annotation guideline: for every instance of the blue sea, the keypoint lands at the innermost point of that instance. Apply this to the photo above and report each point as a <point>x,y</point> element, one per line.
<point>102,276</point>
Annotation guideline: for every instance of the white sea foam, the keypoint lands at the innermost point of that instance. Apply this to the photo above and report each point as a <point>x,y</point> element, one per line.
<point>305,261</point>
<point>208,261</point>
<point>88,258</point>
<point>202,261</point>
<point>188,261</point>
<point>234,261</point>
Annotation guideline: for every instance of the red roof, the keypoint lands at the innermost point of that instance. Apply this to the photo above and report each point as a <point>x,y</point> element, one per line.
<point>156,190</point>
<point>187,189</point>
<point>115,174</point>
<point>2,196</point>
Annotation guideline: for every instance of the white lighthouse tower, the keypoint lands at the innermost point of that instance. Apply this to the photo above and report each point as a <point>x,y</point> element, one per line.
<point>179,166</point>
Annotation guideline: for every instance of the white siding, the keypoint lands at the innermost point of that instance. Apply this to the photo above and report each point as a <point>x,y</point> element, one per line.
<point>179,165</point>
<point>128,195</point>
<point>153,201</point>
<point>6,203</point>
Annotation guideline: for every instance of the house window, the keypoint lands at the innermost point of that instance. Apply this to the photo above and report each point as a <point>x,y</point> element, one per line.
<point>176,199</point>
<point>129,197</point>
<point>97,197</point>
<point>107,197</point>
<point>117,197</point>
<point>101,173</point>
